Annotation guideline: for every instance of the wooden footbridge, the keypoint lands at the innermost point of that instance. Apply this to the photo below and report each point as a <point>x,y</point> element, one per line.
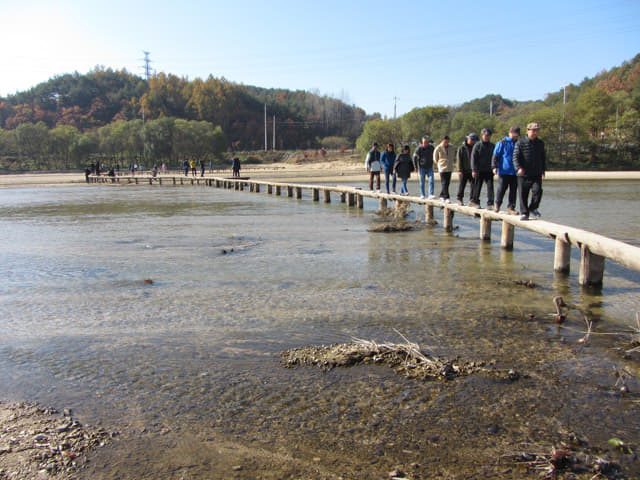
<point>594,248</point>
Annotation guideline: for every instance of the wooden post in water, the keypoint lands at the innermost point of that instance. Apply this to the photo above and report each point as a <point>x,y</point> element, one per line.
<point>448,220</point>
<point>269,189</point>
<point>562,256</point>
<point>382,203</point>
<point>351,199</point>
<point>315,194</point>
<point>343,197</point>
<point>256,188</point>
<point>360,200</point>
<point>298,193</point>
<point>289,191</point>
<point>591,267</point>
<point>278,190</point>
<point>485,228</point>
<point>428,213</point>
<point>508,231</point>
<point>327,196</point>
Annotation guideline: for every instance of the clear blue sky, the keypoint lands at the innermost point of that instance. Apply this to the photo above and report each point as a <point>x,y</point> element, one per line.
<point>365,52</point>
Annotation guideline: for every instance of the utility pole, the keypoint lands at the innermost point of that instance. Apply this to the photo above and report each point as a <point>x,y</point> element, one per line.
<point>147,65</point>
<point>395,100</point>
<point>265,127</point>
<point>491,108</point>
<point>273,145</point>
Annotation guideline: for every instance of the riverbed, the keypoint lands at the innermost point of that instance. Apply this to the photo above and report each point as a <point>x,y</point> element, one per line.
<point>160,312</point>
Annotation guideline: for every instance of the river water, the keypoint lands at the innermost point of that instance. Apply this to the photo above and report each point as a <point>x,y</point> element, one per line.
<point>186,368</point>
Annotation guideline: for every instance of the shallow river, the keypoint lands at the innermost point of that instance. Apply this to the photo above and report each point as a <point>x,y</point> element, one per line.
<point>187,370</point>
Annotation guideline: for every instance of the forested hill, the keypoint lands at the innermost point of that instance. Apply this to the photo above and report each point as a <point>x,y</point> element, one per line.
<point>105,96</point>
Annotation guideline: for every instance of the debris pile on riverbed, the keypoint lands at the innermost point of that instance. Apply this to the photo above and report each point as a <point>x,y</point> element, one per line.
<point>405,358</point>
<point>38,442</point>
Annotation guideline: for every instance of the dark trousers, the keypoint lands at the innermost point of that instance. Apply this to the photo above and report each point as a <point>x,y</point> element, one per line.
<point>526,185</point>
<point>464,178</point>
<point>445,179</point>
<point>483,177</point>
<point>510,182</point>
<point>375,175</point>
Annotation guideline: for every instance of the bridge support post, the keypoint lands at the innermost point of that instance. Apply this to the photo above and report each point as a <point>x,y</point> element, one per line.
<point>360,201</point>
<point>278,190</point>
<point>256,188</point>
<point>351,199</point>
<point>382,203</point>
<point>428,213</point>
<point>289,191</point>
<point>269,189</point>
<point>485,228</point>
<point>327,196</point>
<point>298,193</point>
<point>315,194</point>
<point>562,256</point>
<point>343,197</point>
<point>591,267</point>
<point>448,220</point>
<point>508,231</point>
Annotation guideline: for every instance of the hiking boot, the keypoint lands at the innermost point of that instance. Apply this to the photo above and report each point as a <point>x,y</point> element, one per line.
<point>536,214</point>
<point>460,202</point>
<point>496,208</point>
<point>511,211</point>
<point>474,204</point>
<point>524,217</point>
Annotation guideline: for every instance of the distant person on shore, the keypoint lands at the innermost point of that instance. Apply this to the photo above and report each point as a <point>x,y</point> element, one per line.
<point>236,167</point>
<point>185,165</point>
<point>444,158</point>
<point>530,162</point>
<point>201,167</point>
<point>192,164</point>
<point>373,165</point>
<point>163,168</point>
<point>154,171</point>
<point>423,164</point>
<point>481,156</point>
<point>502,163</point>
<point>388,160</point>
<point>87,172</point>
<point>403,167</point>
<point>463,167</point>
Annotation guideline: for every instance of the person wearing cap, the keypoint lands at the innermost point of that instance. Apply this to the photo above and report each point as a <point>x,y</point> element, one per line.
<point>372,164</point>
<point>403,168</point>
<point>423,164</point>
<point>530,162</point>
<point>388,159</point>
<point>463,166</point>
<point>481,169</point>
<point>502,164</point>
<point>444,158</point>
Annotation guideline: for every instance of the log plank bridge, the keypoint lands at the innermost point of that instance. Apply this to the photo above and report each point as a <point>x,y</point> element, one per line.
<point>594,248</point>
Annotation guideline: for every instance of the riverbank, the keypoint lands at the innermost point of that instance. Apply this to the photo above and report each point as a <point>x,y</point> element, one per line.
<point>327,172</point>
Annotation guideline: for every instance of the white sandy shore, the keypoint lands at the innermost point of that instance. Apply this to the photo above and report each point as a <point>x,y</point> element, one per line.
<point>328,172</point>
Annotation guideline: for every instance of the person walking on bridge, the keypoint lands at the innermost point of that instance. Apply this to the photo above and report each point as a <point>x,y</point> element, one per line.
<point>530,162</point>
<point>463,167</point>
<point>403,168</point>
<point>423,164</point>
<point>481,168</point>
<point>502,163</point>
<point>388,160</point>
<point>373,166</point>
<point>444,157</point>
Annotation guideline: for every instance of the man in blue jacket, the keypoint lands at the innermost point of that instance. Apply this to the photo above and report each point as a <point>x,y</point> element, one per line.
<point>502,163</point>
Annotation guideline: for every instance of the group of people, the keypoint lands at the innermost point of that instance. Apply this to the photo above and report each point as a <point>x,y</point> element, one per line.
<point>519,163</point>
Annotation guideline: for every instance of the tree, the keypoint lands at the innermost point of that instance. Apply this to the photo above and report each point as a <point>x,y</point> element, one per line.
<point>63,140</point>
<point>380,131</point>
<point>158,139</point>
<point>33,143</point>
<point>420,121</point>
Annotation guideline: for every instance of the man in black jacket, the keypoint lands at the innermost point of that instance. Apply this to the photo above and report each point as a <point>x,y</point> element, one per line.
<point>481,169</point>
<point>530,162</point>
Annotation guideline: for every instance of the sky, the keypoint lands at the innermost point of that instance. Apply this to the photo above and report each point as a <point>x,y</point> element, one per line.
<point>383,56</point>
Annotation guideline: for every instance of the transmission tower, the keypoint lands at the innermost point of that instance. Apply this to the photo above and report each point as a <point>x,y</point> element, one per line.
<point>147,65</point>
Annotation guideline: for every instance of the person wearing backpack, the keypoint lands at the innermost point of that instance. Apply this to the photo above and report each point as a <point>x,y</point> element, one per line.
<point>502,163</point>
<point>373,166</point>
